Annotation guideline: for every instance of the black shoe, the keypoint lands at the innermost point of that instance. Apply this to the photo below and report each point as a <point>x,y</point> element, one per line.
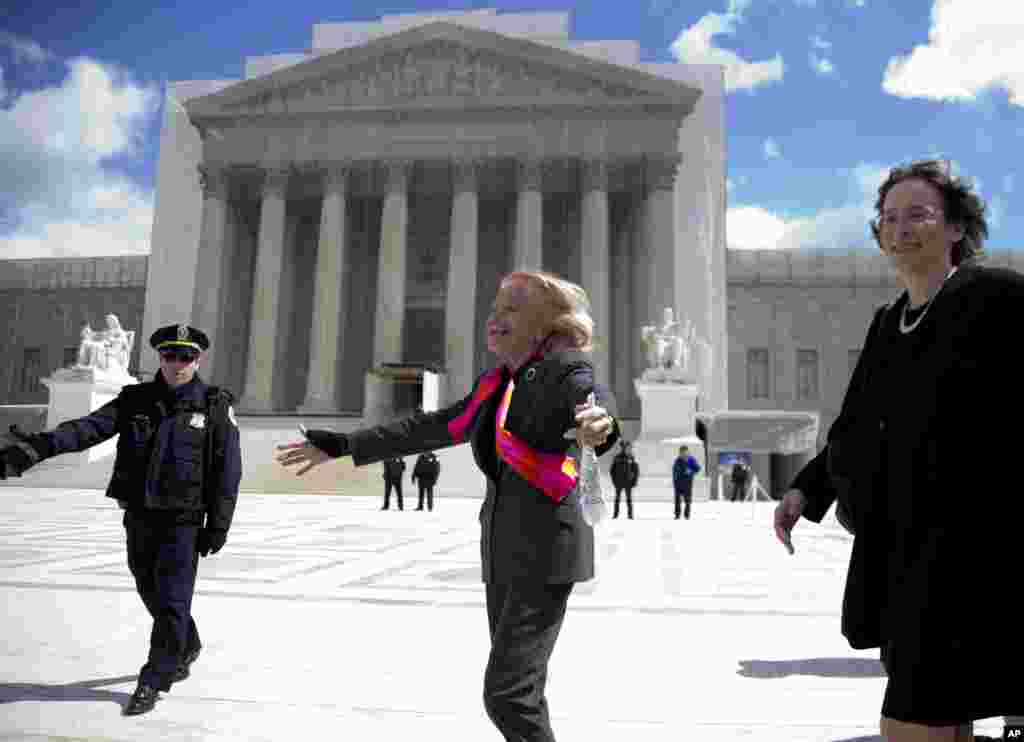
<point>186,662</point>
<point>385,507</point>
<point>419,508</point>
<point>142,700</point>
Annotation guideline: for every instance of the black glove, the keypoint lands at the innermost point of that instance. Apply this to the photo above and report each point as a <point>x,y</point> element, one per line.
<point>15,459</point>
<point>210,541</point>
<point>332,444</point>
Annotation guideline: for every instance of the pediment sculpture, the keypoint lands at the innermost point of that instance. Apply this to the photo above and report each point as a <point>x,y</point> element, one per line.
<point>441,69</point>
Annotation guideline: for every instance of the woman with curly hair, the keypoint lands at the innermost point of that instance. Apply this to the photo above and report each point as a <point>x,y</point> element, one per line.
<point>934,385</point>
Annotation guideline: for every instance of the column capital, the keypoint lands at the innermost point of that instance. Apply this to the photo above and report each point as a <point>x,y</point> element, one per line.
<point>660,171</point>
<point>594,174</point>
<point>213,179</point>
<point>275,181</point>
<point>466,174</point>
<point>396,175</point>
<point>529,173</point>
<point>335,175</point>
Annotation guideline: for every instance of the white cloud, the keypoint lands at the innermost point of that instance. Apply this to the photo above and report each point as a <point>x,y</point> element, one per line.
<point>771,149</point>
<point>820,43</point>
<point>751,227</point>
<point>754,228</point>
<point>821,65</point>
<point>972,46</point>
<point>25,50</point>
<point>695,46</point>
<point>53,142</point>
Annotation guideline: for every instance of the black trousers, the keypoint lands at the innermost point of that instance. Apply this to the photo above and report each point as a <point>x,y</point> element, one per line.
<point>388,484</point>
<point>163,560</point>
<point>629,501</point>
<point>738,491</point>
<point>428,490</point>
<point>686,495</point>
<point>524,622</point>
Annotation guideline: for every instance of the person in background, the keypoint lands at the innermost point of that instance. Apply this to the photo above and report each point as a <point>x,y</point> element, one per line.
<point>683,470</point>
<point>425,473</point>
<point>394,468</point>
<point>625,474</point>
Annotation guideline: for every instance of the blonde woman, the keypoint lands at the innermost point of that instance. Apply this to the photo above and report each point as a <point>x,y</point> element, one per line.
<point>534,542</point>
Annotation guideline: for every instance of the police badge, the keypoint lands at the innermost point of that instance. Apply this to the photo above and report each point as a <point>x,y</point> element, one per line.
<point>198,420</point>
<point>183,332</point>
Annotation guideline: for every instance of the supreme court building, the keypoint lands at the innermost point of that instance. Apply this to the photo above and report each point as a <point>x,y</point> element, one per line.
<point>355,206</point>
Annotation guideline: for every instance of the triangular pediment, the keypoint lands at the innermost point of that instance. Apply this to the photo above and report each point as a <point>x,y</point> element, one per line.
<point>447,66</point>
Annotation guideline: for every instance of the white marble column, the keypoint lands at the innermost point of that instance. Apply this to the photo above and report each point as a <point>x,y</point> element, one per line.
<point>264,322</point>
<point>461,328</point>
<point>595,259</point>
<point>211,266</point>
<point>529,216</point>
<point>387,335</point>
<point>626,332</point>
<point>660,233</point>
<point>326,336</point>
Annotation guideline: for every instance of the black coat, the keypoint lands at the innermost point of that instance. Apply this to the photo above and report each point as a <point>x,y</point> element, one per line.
<point>625,471</point>
<point>393,470</point>
<point>427,469</point>
<point>938,525</point>
<point>525,535</point>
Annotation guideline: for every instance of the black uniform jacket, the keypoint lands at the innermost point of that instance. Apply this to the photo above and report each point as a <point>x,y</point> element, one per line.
<point>937,550</point>
<point>525,535</point>
<point>427,470</point>
<point>625,471</point>
<point>177,450</point>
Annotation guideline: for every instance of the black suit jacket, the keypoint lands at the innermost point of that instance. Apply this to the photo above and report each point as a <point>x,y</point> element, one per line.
<point>525,535</point>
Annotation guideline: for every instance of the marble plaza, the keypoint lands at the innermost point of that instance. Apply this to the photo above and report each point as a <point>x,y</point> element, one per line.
<point>328,617</point>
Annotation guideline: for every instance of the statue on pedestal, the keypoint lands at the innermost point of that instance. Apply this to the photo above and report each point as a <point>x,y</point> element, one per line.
<point>107,350</point>
<point>668,351</point>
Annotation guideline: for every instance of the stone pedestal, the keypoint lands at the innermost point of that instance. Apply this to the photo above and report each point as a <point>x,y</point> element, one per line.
<point>74,393</point>
<point>393,391</point>
<point>667,419</point>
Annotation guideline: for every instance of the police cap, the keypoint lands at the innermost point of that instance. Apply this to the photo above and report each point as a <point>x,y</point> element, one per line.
<point>179,336</point>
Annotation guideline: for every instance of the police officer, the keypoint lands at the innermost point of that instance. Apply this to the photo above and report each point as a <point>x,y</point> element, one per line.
<point>393,471</point>
<point>426,470</point>
<point>176,475</point>
<point>740,475</point>
<point>625,473</point>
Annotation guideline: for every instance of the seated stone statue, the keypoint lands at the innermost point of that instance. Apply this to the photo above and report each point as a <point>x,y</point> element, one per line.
<point>667,350</point>
<point>90,349</point>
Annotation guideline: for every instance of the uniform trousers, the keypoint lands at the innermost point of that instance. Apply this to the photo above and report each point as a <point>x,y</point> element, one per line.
<point>524,621</point>
<point>163,560</point>
<point>686,495</point>
<point>426,488</point>
<point>629,501</point>
<point>388,484</point>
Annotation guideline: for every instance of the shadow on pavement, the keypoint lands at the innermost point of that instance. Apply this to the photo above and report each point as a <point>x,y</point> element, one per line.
<point>825,667</point>
<point>84,690</point>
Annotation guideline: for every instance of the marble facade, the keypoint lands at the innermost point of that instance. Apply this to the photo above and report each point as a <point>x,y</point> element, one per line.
<point>356,206</point>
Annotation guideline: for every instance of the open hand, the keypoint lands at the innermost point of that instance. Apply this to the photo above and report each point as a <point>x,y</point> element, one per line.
<point>787,513</point>
<point>301,452</point>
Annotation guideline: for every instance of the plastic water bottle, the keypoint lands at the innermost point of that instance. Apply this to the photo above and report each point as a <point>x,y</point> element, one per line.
<point>588,487</point>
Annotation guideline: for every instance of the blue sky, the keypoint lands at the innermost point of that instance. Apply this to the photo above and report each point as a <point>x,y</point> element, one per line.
<point>824,96</point>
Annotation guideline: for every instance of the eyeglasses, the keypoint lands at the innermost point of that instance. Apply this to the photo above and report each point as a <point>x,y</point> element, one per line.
<point>185,356</point>
<point>916,215</point>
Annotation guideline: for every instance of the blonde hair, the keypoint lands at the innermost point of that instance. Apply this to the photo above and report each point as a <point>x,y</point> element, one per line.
<point>568,303</point>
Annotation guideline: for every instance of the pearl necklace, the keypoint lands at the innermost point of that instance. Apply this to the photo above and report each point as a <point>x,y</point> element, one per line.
<point>904,327</point>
